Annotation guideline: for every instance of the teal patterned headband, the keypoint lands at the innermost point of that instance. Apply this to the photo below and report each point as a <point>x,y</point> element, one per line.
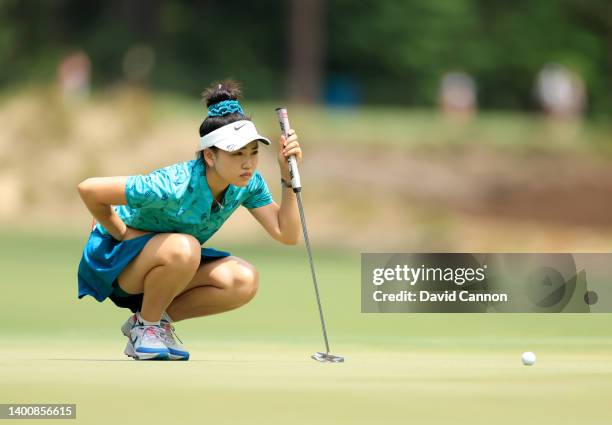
<point>224,107</point>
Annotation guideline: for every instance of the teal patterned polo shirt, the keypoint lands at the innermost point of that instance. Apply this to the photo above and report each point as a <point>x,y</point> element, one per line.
<point>177,199</point>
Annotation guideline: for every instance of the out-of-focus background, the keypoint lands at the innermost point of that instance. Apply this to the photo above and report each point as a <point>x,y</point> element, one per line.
<point>463,125</point>
<point>427,125</point>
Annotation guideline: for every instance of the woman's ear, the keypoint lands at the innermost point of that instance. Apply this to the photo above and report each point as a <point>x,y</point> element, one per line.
<point>209,157</point>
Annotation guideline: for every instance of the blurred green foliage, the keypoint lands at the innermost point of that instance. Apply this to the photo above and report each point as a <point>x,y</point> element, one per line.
<point>394,51</point>
<point>408,45</point>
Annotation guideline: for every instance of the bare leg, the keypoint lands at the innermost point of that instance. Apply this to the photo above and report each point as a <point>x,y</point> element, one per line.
<point>218,286</point>
<point>162,270</point>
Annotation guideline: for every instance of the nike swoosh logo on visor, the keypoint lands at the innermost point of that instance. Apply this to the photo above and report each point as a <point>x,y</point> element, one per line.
<point>238,127</point>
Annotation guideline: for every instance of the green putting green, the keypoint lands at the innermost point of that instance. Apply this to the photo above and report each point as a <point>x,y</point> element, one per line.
<point>252,365</point>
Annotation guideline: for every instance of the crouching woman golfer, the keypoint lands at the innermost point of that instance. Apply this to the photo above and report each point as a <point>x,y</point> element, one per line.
<point>146,253</point>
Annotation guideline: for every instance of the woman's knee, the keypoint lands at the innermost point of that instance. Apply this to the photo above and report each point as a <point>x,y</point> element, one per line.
<point>180,250</point>
<point>246,282</point>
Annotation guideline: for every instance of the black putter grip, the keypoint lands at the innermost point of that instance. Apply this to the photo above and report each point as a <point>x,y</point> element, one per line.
<point>294,173</point>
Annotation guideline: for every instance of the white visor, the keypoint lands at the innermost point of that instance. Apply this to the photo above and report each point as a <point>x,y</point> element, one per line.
<point>232,137</point>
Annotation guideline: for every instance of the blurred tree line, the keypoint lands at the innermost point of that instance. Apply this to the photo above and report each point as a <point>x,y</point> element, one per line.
<point>386,51</point>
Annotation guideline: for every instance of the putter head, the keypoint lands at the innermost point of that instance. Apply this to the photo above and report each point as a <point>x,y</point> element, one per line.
<point>327,358</point>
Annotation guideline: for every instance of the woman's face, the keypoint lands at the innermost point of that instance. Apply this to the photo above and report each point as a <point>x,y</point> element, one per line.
<point>237,167</point>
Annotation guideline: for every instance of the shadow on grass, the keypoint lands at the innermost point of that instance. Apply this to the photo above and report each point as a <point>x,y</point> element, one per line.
<point>179,361</point>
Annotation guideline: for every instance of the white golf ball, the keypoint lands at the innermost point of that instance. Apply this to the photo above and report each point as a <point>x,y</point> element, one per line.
<point>528,358</point>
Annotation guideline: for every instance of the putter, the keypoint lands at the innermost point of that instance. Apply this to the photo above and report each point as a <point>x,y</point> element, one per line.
<point>326,357</point>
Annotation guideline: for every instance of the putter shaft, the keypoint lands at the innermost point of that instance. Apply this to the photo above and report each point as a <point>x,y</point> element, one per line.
<point>283,120</point>
<point>312,268</point>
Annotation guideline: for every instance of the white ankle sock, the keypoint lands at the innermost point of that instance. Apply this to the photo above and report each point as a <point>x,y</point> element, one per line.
<point>145,322</point>
<point>166,317</point>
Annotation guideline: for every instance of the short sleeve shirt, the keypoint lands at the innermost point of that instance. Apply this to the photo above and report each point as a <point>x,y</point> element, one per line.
<point>178,199</point>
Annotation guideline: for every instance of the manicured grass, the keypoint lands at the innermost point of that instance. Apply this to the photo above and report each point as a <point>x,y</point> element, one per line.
<point>255,383</point>
<point>252,365</point>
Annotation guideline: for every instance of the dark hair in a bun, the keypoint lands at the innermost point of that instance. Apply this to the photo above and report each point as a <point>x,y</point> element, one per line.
<point>220,91</point>
<point>215,93</point>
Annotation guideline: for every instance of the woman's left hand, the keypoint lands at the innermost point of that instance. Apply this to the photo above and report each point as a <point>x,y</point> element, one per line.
<point>286,148</point>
